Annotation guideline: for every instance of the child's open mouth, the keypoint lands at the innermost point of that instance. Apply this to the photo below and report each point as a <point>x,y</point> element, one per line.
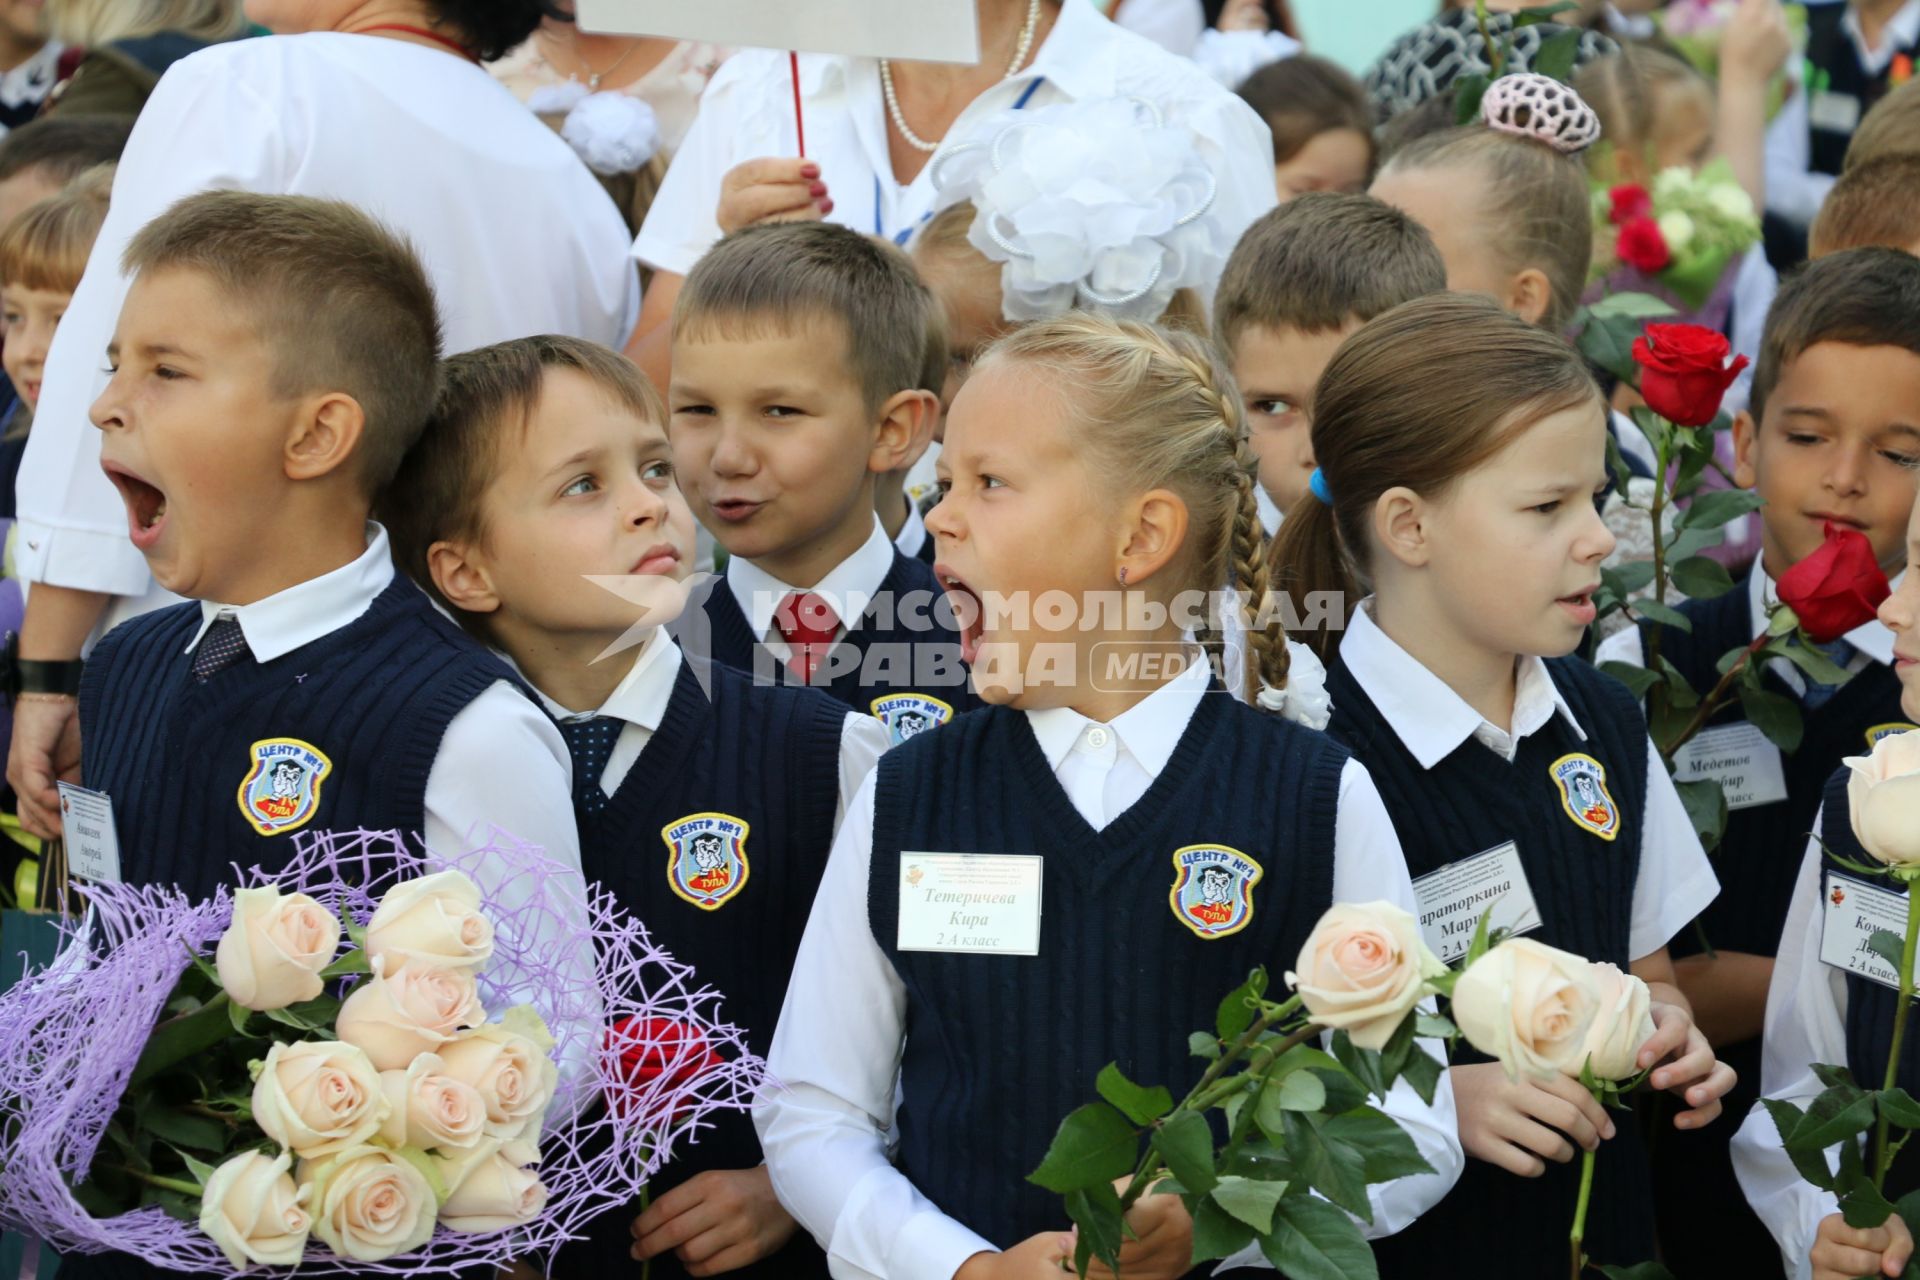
<point>146,506</point>
<point>1581,606</point>
<point>966,611</point>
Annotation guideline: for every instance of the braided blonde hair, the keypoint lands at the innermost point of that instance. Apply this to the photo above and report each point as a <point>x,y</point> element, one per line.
<point>1155,409</point>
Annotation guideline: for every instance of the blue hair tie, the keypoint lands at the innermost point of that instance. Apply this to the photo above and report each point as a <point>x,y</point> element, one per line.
<point>1318,484</point>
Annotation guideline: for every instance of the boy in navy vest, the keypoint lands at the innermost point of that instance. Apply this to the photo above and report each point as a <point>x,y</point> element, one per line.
<point>797,361</point>
<point>1832,434</point>
<point>1822,1013</point>
<point>706,803</point>
<point>274,359</point>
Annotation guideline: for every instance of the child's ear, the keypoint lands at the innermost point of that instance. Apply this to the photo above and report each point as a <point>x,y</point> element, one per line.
<point>462,577</point>
<point>1529,294</point>
<point>325,437</point>
<point>1399,524</point>
<point>1746,445</point>
<point>906,429</point>
<point>1154,535</point>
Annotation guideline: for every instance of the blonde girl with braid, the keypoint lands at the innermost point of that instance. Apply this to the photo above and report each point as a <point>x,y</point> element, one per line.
<point>1460,452</point>
<point>1097,494</point>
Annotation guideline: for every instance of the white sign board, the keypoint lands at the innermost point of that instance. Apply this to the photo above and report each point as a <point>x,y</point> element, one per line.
<point>911,30</point>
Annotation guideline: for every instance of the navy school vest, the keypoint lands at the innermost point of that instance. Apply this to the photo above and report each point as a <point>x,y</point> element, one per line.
<point>340,733</point>
<point>1835,74</point>
<point>748,779</point>
<point>899,661</point>
<point>1000,1048</point>
<point>1583,885</point>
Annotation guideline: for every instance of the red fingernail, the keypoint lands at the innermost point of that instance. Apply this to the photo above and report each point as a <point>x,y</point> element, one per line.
<point>817,190</point>
<point>809,170</point>
<point>826,206</point>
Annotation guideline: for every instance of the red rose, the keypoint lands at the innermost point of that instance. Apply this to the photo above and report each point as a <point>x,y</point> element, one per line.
<point>1641,246</point>
<point>656,1049</point>
<point>1684,372</point>
<point>1837,587</point>
<point>1629,200</point>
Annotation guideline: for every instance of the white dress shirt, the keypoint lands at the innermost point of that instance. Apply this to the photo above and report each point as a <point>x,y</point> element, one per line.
<point>836,1052</point>
<point>1675,881</point>
<point>641,699</point>
<point>747,113</point>
<point>516,235</point>
<point>913,533</point>
<point>1794,190</point>
<point>848,588</point>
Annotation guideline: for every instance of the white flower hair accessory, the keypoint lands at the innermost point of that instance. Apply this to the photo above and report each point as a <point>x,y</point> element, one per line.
<point>1541,108</point>
<point>612,132</point>
<point>1099,204</point>
<point>1305,700</point>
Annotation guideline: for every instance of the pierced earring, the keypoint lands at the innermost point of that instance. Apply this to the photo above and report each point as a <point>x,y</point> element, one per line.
<point>1123,575</point>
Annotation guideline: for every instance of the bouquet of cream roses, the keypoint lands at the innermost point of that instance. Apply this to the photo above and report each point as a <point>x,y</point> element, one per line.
<point>361,1059</point>
<point>1679,237</point>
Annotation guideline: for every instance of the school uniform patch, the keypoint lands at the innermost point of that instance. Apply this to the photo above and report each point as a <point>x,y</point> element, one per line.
<point>1212,890</point>
<point>908,714</point>
<point>1583,794</point>
<point>282,790</point>
<point>706,858</point>
<point>1880,731</point>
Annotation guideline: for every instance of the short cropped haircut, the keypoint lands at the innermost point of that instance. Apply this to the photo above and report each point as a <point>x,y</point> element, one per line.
<point>1321,261</point>
<point>1890,128</point>
<point>938,356</point>
<point>1875,203</point>
<point>64,146</point>
<point>340,301</point>
<point>1862,297</point>
<point>46,245</point>
<point>781,276</point>
<point>486,404</point>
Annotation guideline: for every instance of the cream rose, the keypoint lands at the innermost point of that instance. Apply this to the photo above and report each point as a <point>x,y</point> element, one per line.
<point>1621,1024</point>
<point>490,1190</point>
<point>1362,968</point>
<point>318,1097</point>
<point>433,921</point>
<point>1529,1005</point>
<point>510,1063</point>
<point>252,1210</point>
<point>396,1019</point>
<point>430,1110</point>
<point>368,1203</point>
<point>1883,797</point>
<point>272,954</point>
<point>1676,228</point>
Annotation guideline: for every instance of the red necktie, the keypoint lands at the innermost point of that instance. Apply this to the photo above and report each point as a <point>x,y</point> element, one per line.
<point>807,623</point>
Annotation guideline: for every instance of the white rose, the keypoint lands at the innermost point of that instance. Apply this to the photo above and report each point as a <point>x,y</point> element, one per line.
<point>318,1097</point>
<point>1883,797</point>
<point>1362,968</point>
<point>1731,201</point>
<point>1622,1023</point>
<point>1676,228</point>
<point>429,1109</point>
<point>252,1210</point>
<point>433,920</point>
<point>491,1190</point>
<point>396,1019</point>
<point>272,954</point>
<point>368,1203</point>
<point>1529,1005</point>
<point>510,1063</point>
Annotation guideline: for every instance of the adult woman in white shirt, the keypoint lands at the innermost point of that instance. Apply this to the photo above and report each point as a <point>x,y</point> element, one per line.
<point>872,127</point>
<point>381,103</point>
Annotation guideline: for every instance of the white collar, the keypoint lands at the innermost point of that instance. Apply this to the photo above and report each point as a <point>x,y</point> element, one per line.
<point>848,587</point>
<point>32,79</point>
<point>1902,29</point>
<point>1270,514</point>
<point>1871,638</point>
<point>307,610</point>
<point>913,534</point>
<point>1148,730</point>
<point>643,693</point>
<point>1430,718</point>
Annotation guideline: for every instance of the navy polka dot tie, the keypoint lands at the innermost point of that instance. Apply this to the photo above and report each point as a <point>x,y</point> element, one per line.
<point>221,647</point>
<point>590,740</point>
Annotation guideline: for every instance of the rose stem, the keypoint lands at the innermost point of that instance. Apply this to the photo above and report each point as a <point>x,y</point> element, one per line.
<point>154,1180</point>
<point>1882,1157</point>
<point>1579,1232</point>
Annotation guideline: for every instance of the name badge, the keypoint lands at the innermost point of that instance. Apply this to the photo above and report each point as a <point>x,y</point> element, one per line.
<point>1833,112</point>
<point>86,822</point>
<point>983,903</point>
<point>1741,759</point>
<point>1853,910</point>
<point>1452,900</point>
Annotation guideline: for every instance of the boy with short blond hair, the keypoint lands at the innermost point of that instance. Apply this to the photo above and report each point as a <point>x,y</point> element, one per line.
<point>706,803</point>
<point>798,354</point>
<point>1874,203</point>
<point>1302,278</point>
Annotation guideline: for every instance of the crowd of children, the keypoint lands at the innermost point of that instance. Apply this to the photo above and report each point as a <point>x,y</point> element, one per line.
<point>1096,461</point>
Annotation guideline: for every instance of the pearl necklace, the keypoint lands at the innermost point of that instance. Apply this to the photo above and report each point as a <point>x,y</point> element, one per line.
<point>1020,51</point>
